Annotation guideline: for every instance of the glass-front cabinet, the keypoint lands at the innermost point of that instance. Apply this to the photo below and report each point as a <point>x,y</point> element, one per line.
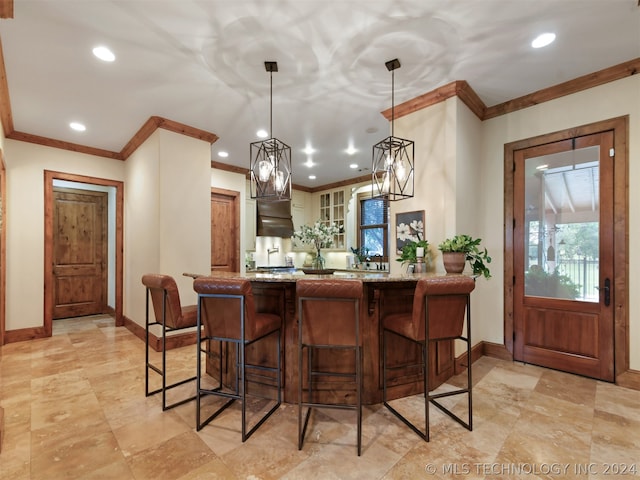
<point>332,210</point>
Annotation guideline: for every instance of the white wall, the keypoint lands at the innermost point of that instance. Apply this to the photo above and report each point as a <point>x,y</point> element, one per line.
<point>26,163</point>
<point>167,215</point>
<point>612,100</point>
<point>433,133</point>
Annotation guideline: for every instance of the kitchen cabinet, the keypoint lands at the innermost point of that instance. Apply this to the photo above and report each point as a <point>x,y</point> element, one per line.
<point>332,210</point>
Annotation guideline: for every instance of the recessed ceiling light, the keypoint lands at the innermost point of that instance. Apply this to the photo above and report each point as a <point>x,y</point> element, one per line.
<point>308,150</point>
<point>353,166</point>
<point>223,154</point>
<point>309,163</point>
<point>351,150</point>
<point>77,126</point>
<point>312,177</point>
<point>543,40</point>
<point>262,134</point>
<point>104,54</point>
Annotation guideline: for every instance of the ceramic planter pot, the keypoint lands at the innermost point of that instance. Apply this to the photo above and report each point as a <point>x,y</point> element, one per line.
<point>453,261</point>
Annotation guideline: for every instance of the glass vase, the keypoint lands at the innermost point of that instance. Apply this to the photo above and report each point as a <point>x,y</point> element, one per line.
<point>318,262</point>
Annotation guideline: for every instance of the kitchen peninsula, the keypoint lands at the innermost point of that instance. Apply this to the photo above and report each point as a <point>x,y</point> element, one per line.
<point>383,294</point>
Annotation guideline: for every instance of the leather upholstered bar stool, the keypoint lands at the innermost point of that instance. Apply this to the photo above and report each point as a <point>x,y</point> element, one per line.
<point>171,316</point>
<point>439,307</point>
<point>226,310</point>
<point>328,329</point>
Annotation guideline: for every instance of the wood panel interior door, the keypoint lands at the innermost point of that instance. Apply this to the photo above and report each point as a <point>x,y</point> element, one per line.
<point>79,252</point>
<point>225,230</point>
<point>564,255</point>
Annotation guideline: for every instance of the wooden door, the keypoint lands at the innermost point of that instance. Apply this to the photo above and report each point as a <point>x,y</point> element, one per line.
<point>225,230</point>
<point>79,252</point>
<point>563,255</point>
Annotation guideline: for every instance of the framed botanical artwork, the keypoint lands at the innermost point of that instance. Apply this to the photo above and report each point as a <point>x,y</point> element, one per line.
<point>409,228</point>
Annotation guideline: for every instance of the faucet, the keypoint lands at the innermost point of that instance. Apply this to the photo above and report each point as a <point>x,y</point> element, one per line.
<point>274,249</point>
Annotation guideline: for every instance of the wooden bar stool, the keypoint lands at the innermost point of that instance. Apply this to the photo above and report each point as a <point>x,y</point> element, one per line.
<point>329,327</point>
<point>439,307</point>
<point>171,316</point>
<point>227,311</point>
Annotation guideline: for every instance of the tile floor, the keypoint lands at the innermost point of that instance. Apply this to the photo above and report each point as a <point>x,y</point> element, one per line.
<point>75,408</point>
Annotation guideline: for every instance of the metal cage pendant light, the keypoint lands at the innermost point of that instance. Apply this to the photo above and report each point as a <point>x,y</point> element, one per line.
<point>270,162</point>
<point>392,170</point>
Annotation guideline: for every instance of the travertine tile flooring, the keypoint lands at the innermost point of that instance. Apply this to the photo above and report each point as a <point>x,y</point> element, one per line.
<point>75,408</point>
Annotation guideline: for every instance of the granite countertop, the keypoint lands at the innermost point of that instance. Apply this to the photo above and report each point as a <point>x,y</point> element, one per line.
<point>365,276</point>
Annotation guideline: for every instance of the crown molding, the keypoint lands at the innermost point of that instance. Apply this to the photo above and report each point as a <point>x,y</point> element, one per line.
<point>154,123</point>
<point>466,94</point>
<point>576,85</point>
<point>459,88</point>
<point>6,116</point>
<point>74,147</point>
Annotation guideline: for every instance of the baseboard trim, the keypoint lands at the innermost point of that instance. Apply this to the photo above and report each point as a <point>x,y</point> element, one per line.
<point>461,362</point>
<point>479,350</point>
<point>497,350</point>
<point>24,334</point>
<point>629,379</point>
<point>173,341</point>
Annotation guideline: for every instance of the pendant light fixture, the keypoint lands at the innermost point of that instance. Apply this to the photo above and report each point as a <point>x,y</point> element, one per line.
<point>270,163</point>
<point>392,170</point>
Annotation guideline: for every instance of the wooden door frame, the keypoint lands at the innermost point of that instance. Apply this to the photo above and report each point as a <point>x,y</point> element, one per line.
<point>620,128</point>
<point>3,247</point>
<point>49,177</point>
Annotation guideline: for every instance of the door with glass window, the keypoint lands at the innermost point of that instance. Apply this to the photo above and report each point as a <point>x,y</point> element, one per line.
<point>563,255</point>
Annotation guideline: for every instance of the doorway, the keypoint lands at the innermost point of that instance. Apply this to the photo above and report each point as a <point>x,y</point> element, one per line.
<point>567,301</point>
<point>73,194</point>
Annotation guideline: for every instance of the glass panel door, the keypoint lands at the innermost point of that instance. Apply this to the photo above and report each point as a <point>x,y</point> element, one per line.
<point>562,212</point>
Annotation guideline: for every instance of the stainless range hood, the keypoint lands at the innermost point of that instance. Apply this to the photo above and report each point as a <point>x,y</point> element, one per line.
<point>274,219</point>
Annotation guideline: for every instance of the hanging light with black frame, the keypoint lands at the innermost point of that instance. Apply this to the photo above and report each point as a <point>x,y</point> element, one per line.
<point>393,158</point>
<point>270,161</point>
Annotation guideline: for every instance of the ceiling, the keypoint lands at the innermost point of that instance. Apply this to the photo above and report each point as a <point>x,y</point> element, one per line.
<point>201,63</point>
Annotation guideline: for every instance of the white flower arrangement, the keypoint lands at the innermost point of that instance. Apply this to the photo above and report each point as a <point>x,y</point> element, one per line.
<point>320,235</point>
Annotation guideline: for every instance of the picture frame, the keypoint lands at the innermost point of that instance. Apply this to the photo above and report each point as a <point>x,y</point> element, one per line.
<point>409,228</point>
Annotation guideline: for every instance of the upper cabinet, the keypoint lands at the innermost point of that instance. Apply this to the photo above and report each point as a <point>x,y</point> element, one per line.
<point>332,210</point>
<point>298,209</point>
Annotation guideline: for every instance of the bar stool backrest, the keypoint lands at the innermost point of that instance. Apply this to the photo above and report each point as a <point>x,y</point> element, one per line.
<point>157,285</point>
<point>329,322</point>
<point>446,303</point>
<point>220,315</point>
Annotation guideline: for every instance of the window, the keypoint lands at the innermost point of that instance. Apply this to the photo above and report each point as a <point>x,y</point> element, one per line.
<point>373,227</point>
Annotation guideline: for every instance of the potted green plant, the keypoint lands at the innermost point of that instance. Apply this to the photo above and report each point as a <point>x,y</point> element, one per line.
<point>409,252</point>
<point>361,254</point>
<point>458,250</point>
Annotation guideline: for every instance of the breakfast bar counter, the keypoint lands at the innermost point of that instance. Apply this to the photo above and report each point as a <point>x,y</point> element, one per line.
<point>383,294</point>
